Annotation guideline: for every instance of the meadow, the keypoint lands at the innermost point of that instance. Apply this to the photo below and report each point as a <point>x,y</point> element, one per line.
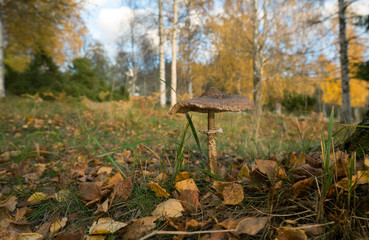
<point>67,164</point>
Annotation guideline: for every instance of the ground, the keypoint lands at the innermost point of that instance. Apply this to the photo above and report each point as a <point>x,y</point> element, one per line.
<point>123,170</point>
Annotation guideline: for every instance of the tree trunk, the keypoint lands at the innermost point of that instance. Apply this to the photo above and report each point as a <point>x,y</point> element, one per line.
<point>257,60</point>
<point>346,113</point>
<point>359,140</point>
<point>173,96</point>
<point>161,55</point>
<point>278,107</point>
<point>2,80</point>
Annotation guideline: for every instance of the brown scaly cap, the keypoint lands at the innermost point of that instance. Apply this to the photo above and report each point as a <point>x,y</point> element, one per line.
<point>215,100</point>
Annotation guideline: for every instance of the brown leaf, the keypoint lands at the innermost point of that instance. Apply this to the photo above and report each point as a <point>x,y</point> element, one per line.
<point>10,203</point>
<point>190,200</point>
<point>5,217</point>
<point>7,235</point>
<point>76,235</point>
<point>19,227</point>
<point>270,168</point>
<point>301,187</point>
<point>89,191</point>
<point>251,225</point>
<point>233,194</point>
<point>286,233</point>
<point>122,190</point>
<point>229,223</point>
<point>307,170</point>
<point>114,180</point>
<point>219,186</point>
<point>106,226</point>
<point>140,228</point>
<point>297,161</point>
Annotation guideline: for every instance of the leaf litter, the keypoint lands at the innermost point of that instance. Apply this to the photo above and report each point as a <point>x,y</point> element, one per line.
<point>66,193</point>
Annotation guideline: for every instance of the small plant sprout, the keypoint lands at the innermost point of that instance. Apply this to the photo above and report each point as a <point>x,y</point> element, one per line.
<point>213,101</point>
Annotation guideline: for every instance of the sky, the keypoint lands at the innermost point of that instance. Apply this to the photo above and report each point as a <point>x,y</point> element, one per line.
<point>106,20</point>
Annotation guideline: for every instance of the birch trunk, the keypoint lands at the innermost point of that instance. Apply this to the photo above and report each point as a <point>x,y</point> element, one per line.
<point>2,80</point>
<point>346,112</point>
<point>173,97</point>
<point>257,59</point>
<point>161,56</point>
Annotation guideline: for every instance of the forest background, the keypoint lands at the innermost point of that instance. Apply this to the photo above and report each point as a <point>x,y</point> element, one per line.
<point>282,54</point>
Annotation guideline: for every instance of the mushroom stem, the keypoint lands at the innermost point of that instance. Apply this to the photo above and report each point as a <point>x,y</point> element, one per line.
<point>211,142</point>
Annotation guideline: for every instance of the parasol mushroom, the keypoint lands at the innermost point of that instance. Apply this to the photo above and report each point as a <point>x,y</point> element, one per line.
<point>213,101</point>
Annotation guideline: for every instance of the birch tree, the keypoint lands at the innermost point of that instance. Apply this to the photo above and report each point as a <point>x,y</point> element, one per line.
<point>173,97</point>
<point>161,56</point>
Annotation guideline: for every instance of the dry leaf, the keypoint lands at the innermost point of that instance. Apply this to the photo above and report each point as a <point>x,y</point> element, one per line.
<point>297,161</point>
<point>114,180</point>
<point>162,177</point>
<point>301,187</point>
<point>312,230</point>
<point>7,235</point>
<point>10,203</point>
<point>193,223</point>
<point>244,172</point>
<point>40,168</point>
<point>122,190</point>
<point>219,186</point>
<point>251,225</point>
<point>170,208</point>
<point>187,184</point>
<point>286,233</point>
<point>95,237</point>
<point>233,194</point>
<point>182,176</point>
<point>30,236</point>
<point>159,191</point>
<point>89,191</point>
<point>229,223</point>
<point>57,225</point>
<point>106,226</point>
<point>102,208</point>
<point>139,228</point>
<point>366,162</point>
<point>270,168</point>
<point>190,200</point>
<point>106,170</point>
<point>37,197</point>
<point>76,235</point>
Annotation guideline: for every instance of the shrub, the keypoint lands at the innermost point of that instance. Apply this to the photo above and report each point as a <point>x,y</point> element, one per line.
<point>294,102</point>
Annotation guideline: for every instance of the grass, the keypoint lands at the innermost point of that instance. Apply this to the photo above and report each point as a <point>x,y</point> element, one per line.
<point>139,139</point>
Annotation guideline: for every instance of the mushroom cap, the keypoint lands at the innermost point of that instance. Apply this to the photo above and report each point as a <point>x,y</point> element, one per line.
<point>213,100</point>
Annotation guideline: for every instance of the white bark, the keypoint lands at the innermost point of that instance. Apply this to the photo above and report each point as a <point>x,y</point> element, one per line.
<point>173,97</point>
<point>161,56</point>
<point>346,112</point>
<point>2,68</point>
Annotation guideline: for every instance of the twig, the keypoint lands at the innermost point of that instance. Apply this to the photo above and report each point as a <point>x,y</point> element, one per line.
<point>313,226</point>
<point>183,233</point>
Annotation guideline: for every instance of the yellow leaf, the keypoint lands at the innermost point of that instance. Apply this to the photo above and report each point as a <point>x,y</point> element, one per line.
<point>37,197</point>
<point>187,184</point>
<point>170,208</point>
<point>159,191</point>
<point>366,162</point>
<point>106,226</point>
<point>244,172</point>
<point>182,176</point>
<point>233,194</point>
<point>286,233</point>
<point>30,236</point>
<point>57,225</point>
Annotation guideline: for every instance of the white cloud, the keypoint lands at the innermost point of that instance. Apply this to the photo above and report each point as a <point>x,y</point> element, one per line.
<point>360,7</point>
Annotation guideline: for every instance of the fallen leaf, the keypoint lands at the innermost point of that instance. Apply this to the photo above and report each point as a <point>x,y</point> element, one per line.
<point>270,168</point>
<point>76,235</point>
<point>30,236</point>
<point>297,161</point>
<point>193,223</point>
<point>233,194</point>
<point>140,227</point>
<point>102,208</point>
<point>244,172</point>
<point>219,186</point>
<point>57,225</point>
<point>106,170</point>
<point>190,200</point>
<point>40,168</point>
<point>301,187</point>
<point>161,177</point>
<point>176,223</point>
<point>7,235</point>
<point>229,223</point>
<point>286,233</point>
<point>182,176</point>
<point>122,190</point>
<point>89,191</point>
<point>106,226</point>
<point>10,203</point>
<point>159,191</point>
<point>170,208</point>
<point>187,184</point>
<point>366,162</point>
<point>37,197</point>
<point>95,237</point>
<point>251,225</point>
<point>312,230</point>
<point>19,227</point>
